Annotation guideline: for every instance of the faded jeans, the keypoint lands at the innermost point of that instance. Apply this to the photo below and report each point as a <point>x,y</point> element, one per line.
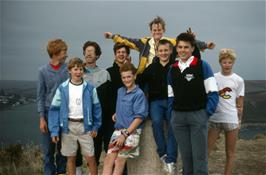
<point>190,130</point>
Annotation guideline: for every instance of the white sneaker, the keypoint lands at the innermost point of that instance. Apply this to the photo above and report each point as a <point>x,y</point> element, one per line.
<point>78,170</point>
<point>163,158</point>
<point>170,168</point>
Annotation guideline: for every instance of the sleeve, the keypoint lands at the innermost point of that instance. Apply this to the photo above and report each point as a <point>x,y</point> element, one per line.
<point>142,80</point>
<point>211,88</point>
<point>41,94</point>
<point>140,106</point>
<point>170,92</point>
<point>201,45</point>
<point>209,80</point>
<point>132,43</point>
<point>96,111</point>
<point>53,114</point>
<point>241,88</point>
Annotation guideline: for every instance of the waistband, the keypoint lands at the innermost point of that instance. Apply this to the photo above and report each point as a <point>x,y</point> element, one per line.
<point>75,119</point>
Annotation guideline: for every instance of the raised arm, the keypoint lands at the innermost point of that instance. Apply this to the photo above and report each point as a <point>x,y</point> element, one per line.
<point>136,44</point>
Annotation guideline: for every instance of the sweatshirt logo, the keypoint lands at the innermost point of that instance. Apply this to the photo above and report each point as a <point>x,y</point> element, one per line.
<point>189,77</point>
<point>224,93</point>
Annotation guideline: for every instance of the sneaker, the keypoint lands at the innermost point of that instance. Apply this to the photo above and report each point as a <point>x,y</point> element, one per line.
<point>170,168</point>
<point>163,158</point>
<point>78,170</point>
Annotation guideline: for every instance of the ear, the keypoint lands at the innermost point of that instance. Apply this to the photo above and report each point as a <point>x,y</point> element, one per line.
<point>193,48</point>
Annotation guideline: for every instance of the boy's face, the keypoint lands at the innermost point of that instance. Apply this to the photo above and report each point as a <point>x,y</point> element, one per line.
<point>76,73</point>
<point>62,55</point>
<point>227,65</point>
<point>128,79</point>
<point>184,50</point>
<point>157,31</point>
<point>121,55</point>
<point>164,51</point>
<point>89,55</point>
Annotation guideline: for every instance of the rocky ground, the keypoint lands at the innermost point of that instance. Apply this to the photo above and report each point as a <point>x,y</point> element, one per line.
<point>250,159</point>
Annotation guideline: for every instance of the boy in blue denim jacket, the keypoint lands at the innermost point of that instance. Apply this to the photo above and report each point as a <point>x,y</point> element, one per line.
<point>76,110</point>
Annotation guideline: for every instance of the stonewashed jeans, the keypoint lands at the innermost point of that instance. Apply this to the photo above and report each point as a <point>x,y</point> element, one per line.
<point>51,166</point>
<point>168,146</point>
<point>190,130</point>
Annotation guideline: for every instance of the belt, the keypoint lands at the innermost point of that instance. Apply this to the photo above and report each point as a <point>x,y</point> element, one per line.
<point>75,119</point>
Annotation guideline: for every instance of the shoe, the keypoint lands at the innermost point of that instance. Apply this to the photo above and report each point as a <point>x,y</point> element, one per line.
<point>163,158</point>
<point>78,170</point>
<point>170,168</point>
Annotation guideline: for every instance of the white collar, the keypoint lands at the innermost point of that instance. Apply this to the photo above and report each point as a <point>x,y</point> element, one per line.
<point>183,65</point>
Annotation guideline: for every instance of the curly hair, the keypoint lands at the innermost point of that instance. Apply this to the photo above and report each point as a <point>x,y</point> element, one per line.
<point>227,53</point>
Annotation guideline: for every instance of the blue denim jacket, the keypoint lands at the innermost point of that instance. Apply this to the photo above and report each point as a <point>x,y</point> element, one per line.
<point>58,113</point>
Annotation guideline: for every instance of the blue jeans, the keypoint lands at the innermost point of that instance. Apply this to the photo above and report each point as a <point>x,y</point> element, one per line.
<point>49,150</point>
<point>158,113</point>
<point>190,130</point>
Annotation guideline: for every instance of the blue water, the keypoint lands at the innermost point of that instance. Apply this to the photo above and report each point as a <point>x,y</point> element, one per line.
<point>251,132</point>
<point>21,125</point>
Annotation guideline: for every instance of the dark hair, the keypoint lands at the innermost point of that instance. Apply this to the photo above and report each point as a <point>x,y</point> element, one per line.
<point>96,46</point>
<point>186,37</point>
<point>157,20</point>
<point>75,62</point>
<point>118,46</point>
<point>128,67</point>
<point>164,42</point>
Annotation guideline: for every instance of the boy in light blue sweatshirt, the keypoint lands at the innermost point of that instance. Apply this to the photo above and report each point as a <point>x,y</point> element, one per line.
<point>76,111</point>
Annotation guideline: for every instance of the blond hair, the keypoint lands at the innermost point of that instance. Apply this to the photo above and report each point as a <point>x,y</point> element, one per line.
<point>227,53</point>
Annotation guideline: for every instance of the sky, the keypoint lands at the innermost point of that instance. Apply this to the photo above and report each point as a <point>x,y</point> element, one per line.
<point>26,27</point>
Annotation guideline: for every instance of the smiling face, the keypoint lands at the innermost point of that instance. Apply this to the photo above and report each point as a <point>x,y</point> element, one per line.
<point>121,55</point>
<point>128,79</point>
<point>226,66</point>
<point>76,73</point>
<point>90,55</point>
<point>184,50</point>
<point>157,31</point>
<point>164,51</point>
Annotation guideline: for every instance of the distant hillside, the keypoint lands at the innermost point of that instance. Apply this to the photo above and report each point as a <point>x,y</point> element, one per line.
<point>254,109</point>
<point>255,101</point>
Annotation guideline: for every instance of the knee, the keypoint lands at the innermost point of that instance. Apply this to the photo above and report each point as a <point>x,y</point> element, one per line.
<point>157,123</point>
<point>120,162</point>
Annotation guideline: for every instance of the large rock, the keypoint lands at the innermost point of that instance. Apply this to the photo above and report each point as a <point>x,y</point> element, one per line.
<point>148,163</point>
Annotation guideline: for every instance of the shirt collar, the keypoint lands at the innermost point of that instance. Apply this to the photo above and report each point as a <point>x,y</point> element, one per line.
<point>91,69</point>
<point>183,65</point>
